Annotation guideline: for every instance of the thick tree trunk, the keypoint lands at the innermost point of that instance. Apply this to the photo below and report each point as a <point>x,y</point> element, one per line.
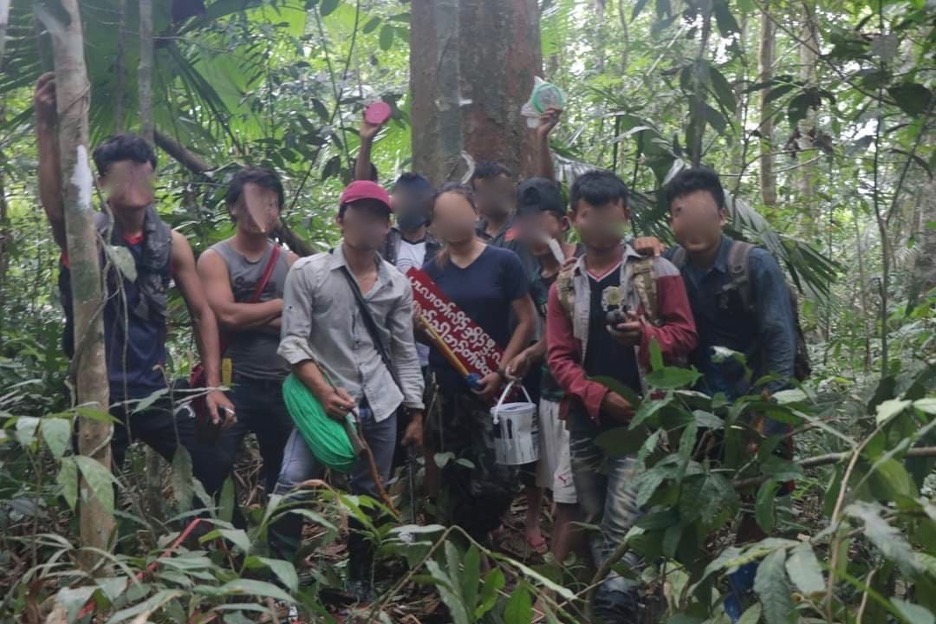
<point>434,80</point>
<point>74,95</point>
<point>768,179</point>
<point>498,54</point>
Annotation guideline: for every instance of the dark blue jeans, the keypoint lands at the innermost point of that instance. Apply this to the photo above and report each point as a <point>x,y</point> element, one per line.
<point>260,408</point>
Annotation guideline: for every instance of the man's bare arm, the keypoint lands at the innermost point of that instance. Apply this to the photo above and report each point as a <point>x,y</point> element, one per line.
<point>231,315</point>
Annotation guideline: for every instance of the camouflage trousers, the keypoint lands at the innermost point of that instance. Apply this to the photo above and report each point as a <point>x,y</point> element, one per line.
<point>475,490</point>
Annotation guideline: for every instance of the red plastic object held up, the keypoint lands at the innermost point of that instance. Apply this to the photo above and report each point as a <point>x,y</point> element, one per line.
<point>377,113</point>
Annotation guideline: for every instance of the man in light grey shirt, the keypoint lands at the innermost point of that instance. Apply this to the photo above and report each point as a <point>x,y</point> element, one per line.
<point>327,344</point>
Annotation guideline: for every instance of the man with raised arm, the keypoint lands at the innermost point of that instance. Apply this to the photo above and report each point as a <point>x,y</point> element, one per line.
<point>135,308</point>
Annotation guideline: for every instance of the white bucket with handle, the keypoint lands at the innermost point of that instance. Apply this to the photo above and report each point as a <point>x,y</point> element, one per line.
<point>516,430</point>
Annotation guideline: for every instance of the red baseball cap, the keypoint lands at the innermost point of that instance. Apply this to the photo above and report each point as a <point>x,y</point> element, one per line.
<point>365,189</point>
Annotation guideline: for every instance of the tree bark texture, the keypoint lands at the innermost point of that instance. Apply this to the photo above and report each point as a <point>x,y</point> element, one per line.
<point>146,69</point>
<point>73,94</point>
<point>768,179</point>
<point>499,54</point>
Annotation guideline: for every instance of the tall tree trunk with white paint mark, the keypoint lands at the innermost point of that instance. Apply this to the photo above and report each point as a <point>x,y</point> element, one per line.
<point>474,100</point>
<point>73,94</point>
<point>4,20</point>
<point>434,80</point>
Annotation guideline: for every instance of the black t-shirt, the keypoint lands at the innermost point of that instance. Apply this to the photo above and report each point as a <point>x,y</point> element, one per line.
<point>605,356</point>
<point>484,291</point>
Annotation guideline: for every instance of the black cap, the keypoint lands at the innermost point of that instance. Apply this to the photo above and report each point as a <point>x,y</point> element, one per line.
<point>540,195</point>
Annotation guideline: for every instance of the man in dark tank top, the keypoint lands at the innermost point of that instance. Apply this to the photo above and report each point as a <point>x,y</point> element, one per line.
<point>243,278</point>
<point>135,308</point>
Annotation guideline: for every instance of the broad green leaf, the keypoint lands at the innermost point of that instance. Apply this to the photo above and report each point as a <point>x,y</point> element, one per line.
<point>471,577</point>
<point>773,589</point>
<point>913,613</point>
<point>56,433</point>
<point>519,609</point>
<point>708,420</point>
<point>99,479</point>
<point>68,480</point>
<point>765,508</point>
<point>752,615</point>
<point>927,405</point>
<point>889,409</point>
<point>148,401</point>
<point>647,483</point>
<point>889,540</point>
<point>251,587</point>
<point>793,395</point>
<point>656,356</point>
<point>284,571</point>
<point>533,575</point>
<point>494,581</point>
<point>448,592</point>
<point>890,479</point>
<point>123,260</point>
<point>647,410</point>
<point>182,478</point>
<point>912,98</point>
<point>26,427</point>
<point>804,570</point>
<point>386,37</point>
<point>371,25</point>
<point>672,378</point>
<point>146,608</point>
<point>614,385</point>
<point>327,7</point>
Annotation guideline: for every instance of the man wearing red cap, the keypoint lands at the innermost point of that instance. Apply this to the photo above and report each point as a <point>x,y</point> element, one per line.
<point>347,333</point>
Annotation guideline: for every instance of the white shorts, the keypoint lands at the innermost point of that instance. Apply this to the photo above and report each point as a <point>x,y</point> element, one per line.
<point>554,468</point>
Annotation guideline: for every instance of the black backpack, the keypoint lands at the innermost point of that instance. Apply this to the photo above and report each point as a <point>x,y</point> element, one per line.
<point>739,267</point>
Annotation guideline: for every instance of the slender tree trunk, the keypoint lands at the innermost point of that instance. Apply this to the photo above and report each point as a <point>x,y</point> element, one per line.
<point>120,122</point>
<point>924,269</point>
<point>500,53</point>
<point>146,69</point>
<point>806,127</point>
<point>434,81</point>
<point>4,21</point>
<point>768,179</point>
<point>74,95</point>
<point>154,462</point>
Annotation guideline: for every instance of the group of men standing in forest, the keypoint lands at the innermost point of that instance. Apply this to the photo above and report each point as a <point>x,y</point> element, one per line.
<point>344,324</point>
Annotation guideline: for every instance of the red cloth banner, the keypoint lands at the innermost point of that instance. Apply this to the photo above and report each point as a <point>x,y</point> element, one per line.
<point>459,335</point>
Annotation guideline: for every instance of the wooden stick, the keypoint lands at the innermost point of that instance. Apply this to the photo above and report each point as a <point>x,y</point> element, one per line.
<point>444,348</point>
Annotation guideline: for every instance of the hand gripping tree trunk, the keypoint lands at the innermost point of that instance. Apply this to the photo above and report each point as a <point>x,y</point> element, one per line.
<point>73,93</point>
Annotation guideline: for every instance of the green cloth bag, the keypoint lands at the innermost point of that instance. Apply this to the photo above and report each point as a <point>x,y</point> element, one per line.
<point>325,436</point>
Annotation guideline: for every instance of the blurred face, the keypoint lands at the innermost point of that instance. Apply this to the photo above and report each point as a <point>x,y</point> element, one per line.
<point>453,218</point>
<point>495,196</point>
<point>365,225</point>
<point>129,185</point>
<point>411,209</point>
<point>536,230</point>
<point>601,227</point>
<point>258,210</point>
<point>697,221</point>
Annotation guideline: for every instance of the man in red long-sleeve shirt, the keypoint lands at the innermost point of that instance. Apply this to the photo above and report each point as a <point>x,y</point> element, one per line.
<point>602,315</point>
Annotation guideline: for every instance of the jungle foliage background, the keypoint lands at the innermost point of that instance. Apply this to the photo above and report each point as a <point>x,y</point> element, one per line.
<point>817,113</point>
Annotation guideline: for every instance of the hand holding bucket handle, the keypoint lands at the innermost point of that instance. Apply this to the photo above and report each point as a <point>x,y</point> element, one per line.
<point>504,395</point>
